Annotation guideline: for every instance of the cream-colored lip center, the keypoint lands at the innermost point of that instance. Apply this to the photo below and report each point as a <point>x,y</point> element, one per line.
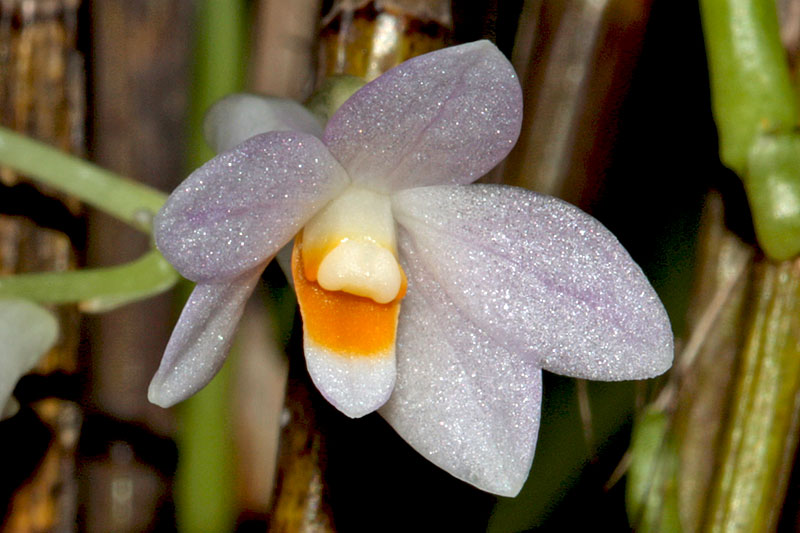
<point>351,246</point>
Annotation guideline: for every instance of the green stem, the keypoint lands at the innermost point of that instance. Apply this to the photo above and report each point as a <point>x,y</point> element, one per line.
<point>96,290</point>
<point>756,112</point>
<point>750,83</point>
<point>772,183</point>
<point>120,197</point>
<point>651,491</point>
<point>206,495</point>
<point>205,485</point>
<point>220,45</point>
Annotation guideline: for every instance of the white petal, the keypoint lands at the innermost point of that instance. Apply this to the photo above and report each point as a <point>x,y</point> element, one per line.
<point>27,332</point>
<point>201,339</point>
<point>461,400</point>
<point>444,117</point>
<point>240,208</point>
<point>355,385</point>
<point>541,278</point>
<point>237,117</point>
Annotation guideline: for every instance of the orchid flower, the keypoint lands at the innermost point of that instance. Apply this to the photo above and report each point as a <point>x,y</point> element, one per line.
<point>436,302</point>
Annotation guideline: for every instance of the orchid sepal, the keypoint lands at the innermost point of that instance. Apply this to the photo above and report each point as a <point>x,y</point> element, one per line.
<point>240,116</point>
<point>446,117</point>
<point>239,209</point>
<point>561,292</point>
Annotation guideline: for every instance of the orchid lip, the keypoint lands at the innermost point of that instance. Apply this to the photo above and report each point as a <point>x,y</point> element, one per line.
<point>351,246</point>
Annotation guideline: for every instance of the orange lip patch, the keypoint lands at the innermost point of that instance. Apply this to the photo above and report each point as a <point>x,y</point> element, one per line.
<point>342,322</point>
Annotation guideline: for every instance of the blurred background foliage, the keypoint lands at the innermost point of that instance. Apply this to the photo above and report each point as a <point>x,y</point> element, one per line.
<point>618,120</point>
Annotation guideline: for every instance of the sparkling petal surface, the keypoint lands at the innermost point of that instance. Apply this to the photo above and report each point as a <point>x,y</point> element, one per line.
<point>444,117</point>
<point>201,339</point>
<point>355,385</point>
<point>237,117</point>
<point>541,278</point>
<point>461,400</point>
<point>349,343</point>
<point>27,331</point>
<point>241,207</point>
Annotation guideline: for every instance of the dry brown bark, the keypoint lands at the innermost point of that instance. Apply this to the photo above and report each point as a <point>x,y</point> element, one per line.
<point>140,85</point>
<point>574,60</point>
<point>41,95</point>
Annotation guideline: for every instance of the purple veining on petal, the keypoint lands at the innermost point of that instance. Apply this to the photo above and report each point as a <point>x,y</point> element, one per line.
<point>540,277</point>
<point>461,399</point>
<point>444,117</point>
<point>240,208</point>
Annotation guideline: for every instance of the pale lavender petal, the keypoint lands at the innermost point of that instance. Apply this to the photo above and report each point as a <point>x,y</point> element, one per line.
<point>444,117</point>
<point>201,339</point>
<point>237,117</point>
<point>241,207</point>
<point>27,332</point>
<point>541,278</point>
<point>460,399</point>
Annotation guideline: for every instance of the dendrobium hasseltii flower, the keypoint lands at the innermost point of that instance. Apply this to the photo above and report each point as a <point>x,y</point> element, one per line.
<point>437,302</point>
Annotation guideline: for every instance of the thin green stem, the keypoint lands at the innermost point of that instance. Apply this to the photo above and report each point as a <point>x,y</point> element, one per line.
<point>652,492</point>
<point>207,463</point>
<point>205,488</point>
<point>95,290</point>
<point>751,87</point>
<point>756,112</point>
<point>125,199</point>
